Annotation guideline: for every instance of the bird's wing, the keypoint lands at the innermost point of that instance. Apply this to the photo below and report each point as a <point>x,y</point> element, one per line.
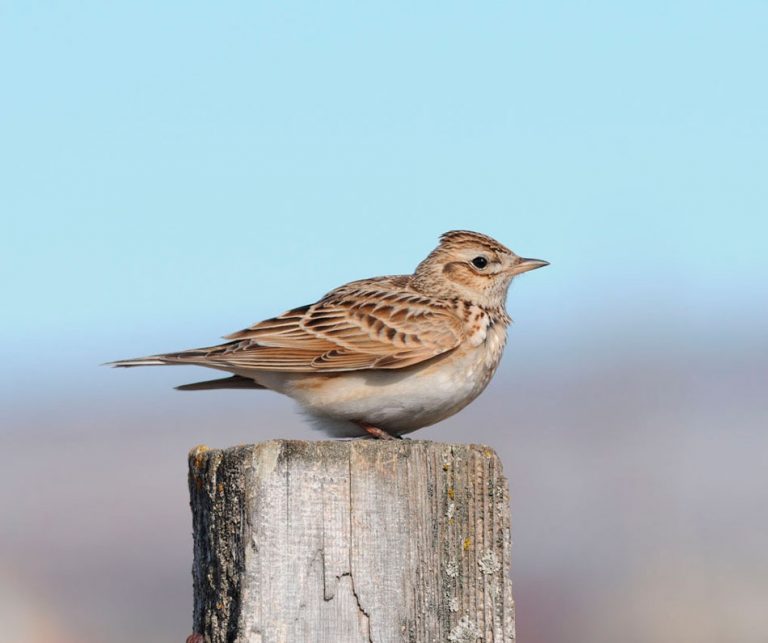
<point>359,326</point>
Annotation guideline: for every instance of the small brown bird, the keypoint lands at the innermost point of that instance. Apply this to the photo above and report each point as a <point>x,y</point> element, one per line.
<point>382,356</point>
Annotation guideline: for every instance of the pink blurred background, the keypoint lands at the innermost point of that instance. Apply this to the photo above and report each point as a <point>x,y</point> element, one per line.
<point>638,496</point>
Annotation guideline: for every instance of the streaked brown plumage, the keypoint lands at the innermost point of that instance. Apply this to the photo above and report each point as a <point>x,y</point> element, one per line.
<point>333,356</point>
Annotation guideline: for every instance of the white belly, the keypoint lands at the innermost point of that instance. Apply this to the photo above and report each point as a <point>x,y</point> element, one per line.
<point>397,401</point>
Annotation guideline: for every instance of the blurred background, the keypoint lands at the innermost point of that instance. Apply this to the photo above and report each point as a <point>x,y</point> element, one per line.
<point>170,172</point>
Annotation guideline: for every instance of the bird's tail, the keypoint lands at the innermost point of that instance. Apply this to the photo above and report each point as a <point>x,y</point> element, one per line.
<point>234,382</point>
<point>152,360</point>
<point>195,356</point>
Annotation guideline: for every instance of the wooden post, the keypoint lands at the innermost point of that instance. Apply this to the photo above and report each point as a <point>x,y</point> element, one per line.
<point>361,541</point>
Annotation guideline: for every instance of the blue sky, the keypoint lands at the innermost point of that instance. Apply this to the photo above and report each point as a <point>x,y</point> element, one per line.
<point>173,171</point>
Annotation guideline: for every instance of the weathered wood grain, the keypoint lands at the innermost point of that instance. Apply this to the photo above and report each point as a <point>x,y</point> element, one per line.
<point>351,542</point>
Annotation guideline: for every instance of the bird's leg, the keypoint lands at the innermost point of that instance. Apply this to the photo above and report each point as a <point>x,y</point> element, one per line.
<point>376,432</point>
<point>195,638</point>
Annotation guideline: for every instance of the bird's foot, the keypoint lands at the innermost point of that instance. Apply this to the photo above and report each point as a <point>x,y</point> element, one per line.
<point>376,432</point>
<point>195,638</point>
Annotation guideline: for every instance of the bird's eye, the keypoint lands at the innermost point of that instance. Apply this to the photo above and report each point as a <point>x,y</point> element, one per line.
<point>480,262</point>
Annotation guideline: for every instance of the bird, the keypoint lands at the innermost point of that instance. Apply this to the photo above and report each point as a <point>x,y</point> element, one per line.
<point>379,357</point>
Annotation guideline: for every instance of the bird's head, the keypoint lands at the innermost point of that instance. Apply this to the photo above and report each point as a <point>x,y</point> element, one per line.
<point>472,266</point>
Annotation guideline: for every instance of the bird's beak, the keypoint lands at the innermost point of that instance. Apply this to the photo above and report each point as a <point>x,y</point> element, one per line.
<point>524,265</point>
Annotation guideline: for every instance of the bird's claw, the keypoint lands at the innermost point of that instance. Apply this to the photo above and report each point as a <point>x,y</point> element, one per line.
<point>376,432</point>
